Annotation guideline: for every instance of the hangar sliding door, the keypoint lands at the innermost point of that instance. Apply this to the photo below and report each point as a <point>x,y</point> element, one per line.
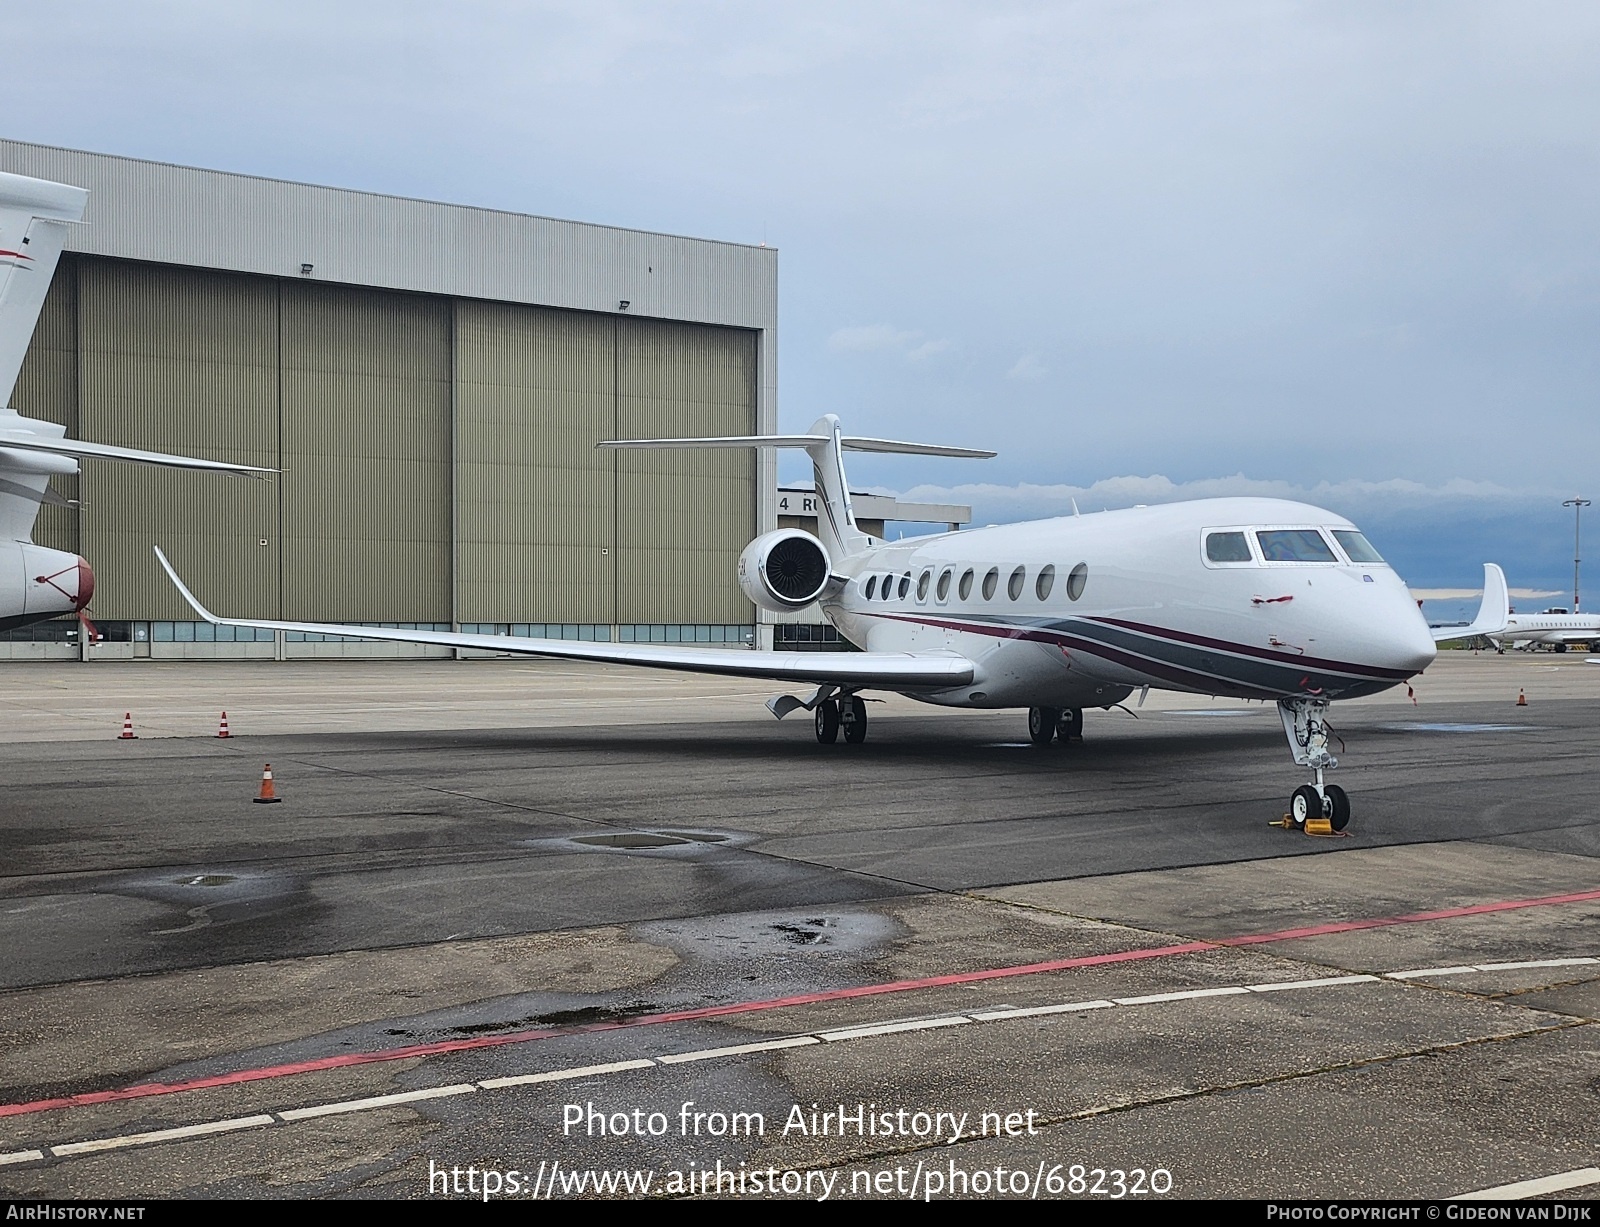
<point>535,389</point>
<point>366,455</point>
<point>184,361</point>
<point>683,516</point>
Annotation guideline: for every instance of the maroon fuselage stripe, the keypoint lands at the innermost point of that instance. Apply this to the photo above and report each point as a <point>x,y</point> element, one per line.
<point>411,1051</point>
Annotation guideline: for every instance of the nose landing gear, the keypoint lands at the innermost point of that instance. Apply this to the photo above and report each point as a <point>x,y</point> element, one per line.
<point>1305,724</point>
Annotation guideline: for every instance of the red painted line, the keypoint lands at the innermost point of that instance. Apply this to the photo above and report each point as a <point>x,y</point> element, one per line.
<point>345,1060</point>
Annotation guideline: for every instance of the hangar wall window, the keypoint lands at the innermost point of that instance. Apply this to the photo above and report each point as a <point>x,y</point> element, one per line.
<point>1014,585</point>
<point>1228,547</point>
<point>872,583</point>
<point>1294,545</point>
<point>677,634</point>
<point>990,582</point>
<point>1076,579</point>
<point>943,591</point>
<point>1357,547</point>
<point>1045,582</point>
<point>965,587</point>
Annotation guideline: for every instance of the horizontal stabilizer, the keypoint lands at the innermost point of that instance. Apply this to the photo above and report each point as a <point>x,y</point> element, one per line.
<point>848,442</point>
<point>1494,612</point>
<point>78,449</point>
<point>904,671</point>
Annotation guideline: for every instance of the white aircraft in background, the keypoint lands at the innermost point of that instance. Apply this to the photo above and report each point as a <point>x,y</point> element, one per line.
<point>38,583</point>
<point>1240,597</point>
<point>1554,629</point>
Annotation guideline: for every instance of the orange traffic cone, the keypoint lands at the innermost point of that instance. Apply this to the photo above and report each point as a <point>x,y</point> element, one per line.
<point>223,731</point>
<point>1522,699</point>
<point>268,796</point>
<point>127,727</point>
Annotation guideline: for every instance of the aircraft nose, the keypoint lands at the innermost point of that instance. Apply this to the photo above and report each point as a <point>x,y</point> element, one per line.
<point>1409,645</point>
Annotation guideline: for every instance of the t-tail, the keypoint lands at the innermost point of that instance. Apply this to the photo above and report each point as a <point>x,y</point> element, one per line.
<point>826,445</point>
<point>34,216</point>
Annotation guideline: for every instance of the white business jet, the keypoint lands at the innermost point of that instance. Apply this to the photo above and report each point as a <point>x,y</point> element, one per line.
<point>1553,629</point>
<point>1242,597</point>
<point>38,583</point>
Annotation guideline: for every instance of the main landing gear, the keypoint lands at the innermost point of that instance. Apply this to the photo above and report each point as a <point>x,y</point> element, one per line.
<point>1045,724</point>
<point>1305,723</point>
<point>848,712</point>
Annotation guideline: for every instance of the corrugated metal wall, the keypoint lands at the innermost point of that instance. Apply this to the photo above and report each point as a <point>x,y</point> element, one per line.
<point>183,361</point>
<point>350,392</point>
<point>48,388</point>
<point>535,390</point>
<point>365,455</point>
<point>683,516</point>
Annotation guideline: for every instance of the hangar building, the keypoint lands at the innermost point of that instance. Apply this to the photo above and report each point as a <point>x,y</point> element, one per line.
<point>431,379</point>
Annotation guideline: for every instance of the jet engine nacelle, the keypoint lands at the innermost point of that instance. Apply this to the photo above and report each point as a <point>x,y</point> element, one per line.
<point>38,583</point>
<point>785,570</point>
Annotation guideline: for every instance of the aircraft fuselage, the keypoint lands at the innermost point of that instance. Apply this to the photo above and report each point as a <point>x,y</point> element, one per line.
<point>1133,600</point>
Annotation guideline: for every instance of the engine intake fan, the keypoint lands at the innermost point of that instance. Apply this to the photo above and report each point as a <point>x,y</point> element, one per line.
<point>784,570</point>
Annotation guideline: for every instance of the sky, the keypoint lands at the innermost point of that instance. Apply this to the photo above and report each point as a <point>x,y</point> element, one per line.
<point>1345,251</point>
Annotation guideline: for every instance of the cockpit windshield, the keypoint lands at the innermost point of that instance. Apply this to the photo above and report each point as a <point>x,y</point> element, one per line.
<point>1357,546</point>
<point>1294,545</point>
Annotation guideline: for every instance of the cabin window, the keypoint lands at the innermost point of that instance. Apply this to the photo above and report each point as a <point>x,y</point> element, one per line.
<point>991,581</point>
<point>905,585</point>
<point>943,590</point>
<point>1014,584</point>
<point>1076,579</point>
<point>1294,545</point>
<point>1045,582</point>
<point>1356,547</point>
<point>1227,547</point>
<point>922,585</point>
<point>964,588</point>
<point>872,583</point>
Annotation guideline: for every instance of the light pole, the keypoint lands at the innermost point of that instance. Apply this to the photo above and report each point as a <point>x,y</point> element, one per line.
<point>1577,505</point>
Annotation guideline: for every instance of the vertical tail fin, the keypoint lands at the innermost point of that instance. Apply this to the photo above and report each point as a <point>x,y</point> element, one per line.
<point>836,525</point>
<point>34,214</point>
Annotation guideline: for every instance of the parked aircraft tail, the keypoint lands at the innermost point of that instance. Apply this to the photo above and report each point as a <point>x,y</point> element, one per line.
<point>1494,611</point>
<point>34,215</point>
<point>826,445</point>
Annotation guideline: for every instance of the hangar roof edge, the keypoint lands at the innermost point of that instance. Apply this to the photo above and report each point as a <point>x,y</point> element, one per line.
<point>167,213</point>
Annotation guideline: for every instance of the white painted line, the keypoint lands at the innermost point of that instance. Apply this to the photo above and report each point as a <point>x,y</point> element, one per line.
<point>378,1101</point>
<point>1031,1011</point>
<point>1189,995</point>
<point>739,1050</point>
<point>920,1024</point>
<point>561,1075</point>
<point>1325,982</point>
<point>1537,963</point>
<point>1528,1188</point>
<point>1533,1188</point>
<point>161,1135</point>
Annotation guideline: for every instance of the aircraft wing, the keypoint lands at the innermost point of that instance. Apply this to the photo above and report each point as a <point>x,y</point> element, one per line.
<point>79,449</point>
<point>1494,612</point>
<point>880,670</point>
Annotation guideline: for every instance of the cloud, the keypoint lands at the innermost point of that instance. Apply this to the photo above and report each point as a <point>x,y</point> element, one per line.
<point>1027,500</point>
<point>1028,367</point>
<point>870,338</point>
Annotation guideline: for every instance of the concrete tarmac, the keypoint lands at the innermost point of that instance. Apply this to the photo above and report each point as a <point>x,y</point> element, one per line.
<point>526,869</point>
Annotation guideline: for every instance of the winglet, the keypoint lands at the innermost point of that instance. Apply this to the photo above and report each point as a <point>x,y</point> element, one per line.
<point>183,589</point>
<point>1494,613</point>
